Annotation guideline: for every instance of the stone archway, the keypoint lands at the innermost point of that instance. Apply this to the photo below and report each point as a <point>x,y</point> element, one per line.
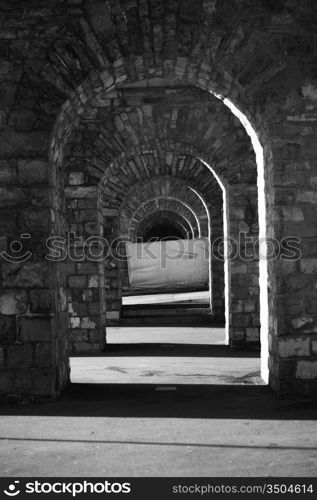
<point>262,71</point>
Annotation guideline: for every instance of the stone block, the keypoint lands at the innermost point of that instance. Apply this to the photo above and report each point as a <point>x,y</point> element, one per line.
<point>13,302</point>
<point>40,301</point>
<point>252,334</point>
<point>93,282</point>
<point>20,356</point>
<point>78,336</point>
<point>22,381</point>
<point>89,268</point>
<point>293,214</point>
<point>249,306</point>
<point>16,144</point>
<point>306,370</point>
<point>92,228</point>
<point>294,305</point>
<point>8,329</point>
<point>94,308</point>
<point>74,322</point>
<point>307,197</point>
<point>309,266</point>
<point>22,119</point>
<point>32,171</point>
<point>5,384</point>
<point>87,324</point>
<point>42,383</point>
<point>8,171</point>
<point>86,348</point>
<point>34,329</point>
<point>290,347</point>
<point>2,355</point>
<point>95,336</point>
<point>82,309</point>
<point>301,322</point>
<point>311,305</point>
<point>82,192</point>
<point>240,320</point>
<point>11,195</point>
<point>28,274</point>
<point>288,266</point>
<point>314,346</point>
<point>77,281</point>
<point>84,215</point>
<point>238,335</point>
<point>43,355</point>
<point>298,282</point>
<point>76,178</point>
<point>239,268</point>
<point>113,315</point>
<point>87,295</point>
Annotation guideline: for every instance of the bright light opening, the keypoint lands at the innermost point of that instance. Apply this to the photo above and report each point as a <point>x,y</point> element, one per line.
<point>263,274</point>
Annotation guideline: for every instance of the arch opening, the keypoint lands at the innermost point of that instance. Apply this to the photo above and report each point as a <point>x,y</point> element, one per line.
<point>249,329</point>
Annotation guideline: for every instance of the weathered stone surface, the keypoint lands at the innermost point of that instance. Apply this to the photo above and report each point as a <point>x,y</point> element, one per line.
<point>28,274</point>
<point>14,144</point>
<point>309,266</point>
<point>86,347</point>
<point>306,370</point>
<point>1,357</point>
<point>87,324</point>
<point>289,347</point>
<point>36,329</point>
<point>74,322</point>
<point>302,322</point>
<point>113,315</point>
<point>77,178</point>
<point>6,384</point>
<point>33,171</point>
<point>252,334</point>
<point>77,281</point>
<point>81,192</point>
<point>42,384</point>
<point>8,171</point>
<point>20,356</point>
<point>93,282</point>
<point>43,355</point>
<point>40,301</point>
<point>13,301</point>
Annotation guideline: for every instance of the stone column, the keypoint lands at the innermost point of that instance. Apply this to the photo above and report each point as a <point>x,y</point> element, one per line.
<point>85,266</point>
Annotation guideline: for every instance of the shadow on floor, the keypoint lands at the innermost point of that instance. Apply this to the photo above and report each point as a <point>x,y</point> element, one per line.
<point>187,401</point>
<point>174,350</point>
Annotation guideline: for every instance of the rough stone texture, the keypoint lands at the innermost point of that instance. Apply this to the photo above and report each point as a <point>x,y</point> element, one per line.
<point>123,91</point>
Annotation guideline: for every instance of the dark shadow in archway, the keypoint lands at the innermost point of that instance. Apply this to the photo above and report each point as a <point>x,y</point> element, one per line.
<point>187,401</point>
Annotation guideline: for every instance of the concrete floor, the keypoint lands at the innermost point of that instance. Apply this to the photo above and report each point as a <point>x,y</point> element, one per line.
<point>202,427</point>
<point>167,356</point>
<point>166,298</point>
<point>166,335</point>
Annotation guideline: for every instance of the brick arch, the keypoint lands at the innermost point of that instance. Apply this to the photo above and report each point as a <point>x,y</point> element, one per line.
<point>221,86</point>
<point>199,123</point>
<point>157,216</point>
<point>110,159</point>
<point>243,79</point>
<point>253,57</point>
<point>161,204</point>
<point>163,188</point>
